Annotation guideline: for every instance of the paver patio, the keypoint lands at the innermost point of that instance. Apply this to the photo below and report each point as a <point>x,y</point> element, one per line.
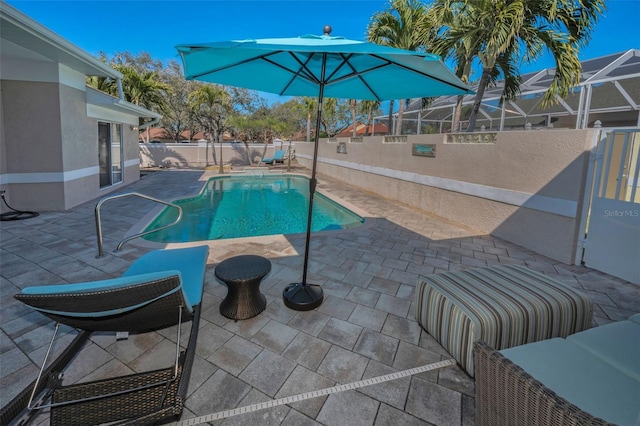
<point>365,328</point>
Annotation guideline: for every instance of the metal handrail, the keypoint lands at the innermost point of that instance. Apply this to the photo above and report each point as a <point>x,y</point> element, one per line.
<point>141,234</point>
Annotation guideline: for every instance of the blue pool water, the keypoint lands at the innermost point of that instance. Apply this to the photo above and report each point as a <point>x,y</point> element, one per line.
<point>245,206</point>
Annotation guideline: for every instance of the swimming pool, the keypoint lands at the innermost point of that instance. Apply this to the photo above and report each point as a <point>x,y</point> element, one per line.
<point>245,206</point>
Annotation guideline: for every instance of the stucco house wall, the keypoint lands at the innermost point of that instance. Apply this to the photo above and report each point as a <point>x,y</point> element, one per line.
<point>51,146</point>
<point>3,149</point>
<point>32,148</point>
<point>49,119</point>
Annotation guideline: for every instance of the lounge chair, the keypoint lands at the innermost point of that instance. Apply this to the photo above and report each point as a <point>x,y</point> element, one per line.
<point>278,157</point>
<point>162,288</point>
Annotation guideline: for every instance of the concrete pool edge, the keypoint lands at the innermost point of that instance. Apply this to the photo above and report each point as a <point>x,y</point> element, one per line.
<point>141,225</point>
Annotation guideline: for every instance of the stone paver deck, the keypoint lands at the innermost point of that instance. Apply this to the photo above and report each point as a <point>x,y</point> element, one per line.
<point>365,328</point>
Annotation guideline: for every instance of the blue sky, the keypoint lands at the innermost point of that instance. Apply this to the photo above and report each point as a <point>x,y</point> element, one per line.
<point>157,26</point>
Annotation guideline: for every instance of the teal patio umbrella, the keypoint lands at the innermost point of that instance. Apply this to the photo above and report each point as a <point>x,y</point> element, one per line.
<point>319,66</point>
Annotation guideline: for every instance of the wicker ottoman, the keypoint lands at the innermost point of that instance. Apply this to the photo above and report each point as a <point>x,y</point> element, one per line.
<point>504,306</point>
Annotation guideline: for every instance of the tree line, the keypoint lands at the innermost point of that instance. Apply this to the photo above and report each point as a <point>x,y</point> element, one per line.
<point>485,40</point>
<point>214,109</point>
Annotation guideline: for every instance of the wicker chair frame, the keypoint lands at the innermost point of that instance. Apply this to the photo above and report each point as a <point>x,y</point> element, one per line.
<point>508,395</point>
<point>144,398</point>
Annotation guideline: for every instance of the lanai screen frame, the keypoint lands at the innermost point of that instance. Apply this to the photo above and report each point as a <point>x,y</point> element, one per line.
<point>609,85</point>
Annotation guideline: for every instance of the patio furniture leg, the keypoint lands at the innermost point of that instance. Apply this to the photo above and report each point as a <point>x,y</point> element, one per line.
<point>116,393</point>
<point>17,407</point>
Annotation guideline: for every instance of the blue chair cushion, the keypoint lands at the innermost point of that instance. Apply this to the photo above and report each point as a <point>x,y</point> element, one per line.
<point>277,156</point>
<point>190,261</point>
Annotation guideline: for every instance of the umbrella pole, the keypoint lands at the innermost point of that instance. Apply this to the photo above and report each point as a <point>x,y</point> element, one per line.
<point>302,296</point>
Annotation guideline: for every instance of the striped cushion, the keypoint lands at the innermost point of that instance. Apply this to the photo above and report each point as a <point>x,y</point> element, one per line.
<point>504,306</point>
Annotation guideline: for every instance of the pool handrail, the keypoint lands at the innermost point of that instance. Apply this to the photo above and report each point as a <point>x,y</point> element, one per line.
<point>140,234</point>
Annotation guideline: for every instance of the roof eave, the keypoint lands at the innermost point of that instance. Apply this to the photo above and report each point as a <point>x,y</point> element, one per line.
<point>55,46</point>
<point>99,98</point>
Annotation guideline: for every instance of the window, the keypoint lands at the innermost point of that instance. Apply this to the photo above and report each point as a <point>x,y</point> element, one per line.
<point>110,154</point>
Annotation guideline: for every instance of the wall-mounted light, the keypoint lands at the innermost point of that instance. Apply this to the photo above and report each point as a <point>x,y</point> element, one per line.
<point>133,128</point>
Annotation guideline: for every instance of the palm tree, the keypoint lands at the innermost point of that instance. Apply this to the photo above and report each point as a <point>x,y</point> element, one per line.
<point>501,34</point>
<point>354,105</point>
<point>400,26</point>
<point>103,84</point>
<point>390,119</point>
<point>368,108</point>
<point>143,89</point>
<point>310,107</point>
<point>210,104</point>
<point>461,51</point>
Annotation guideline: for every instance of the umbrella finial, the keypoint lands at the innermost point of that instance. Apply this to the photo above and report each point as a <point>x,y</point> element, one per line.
<point>327,30</point>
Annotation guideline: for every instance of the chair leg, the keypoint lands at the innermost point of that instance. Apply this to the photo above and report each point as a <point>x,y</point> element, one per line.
<point>44,363</point>
<point>175,369</point>
<point>16,410</point>
<point>150,385</point>
<point>158,394</point>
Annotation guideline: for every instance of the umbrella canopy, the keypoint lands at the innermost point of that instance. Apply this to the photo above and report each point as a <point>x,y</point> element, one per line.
<point>294,66</point>
<point>322,66</point>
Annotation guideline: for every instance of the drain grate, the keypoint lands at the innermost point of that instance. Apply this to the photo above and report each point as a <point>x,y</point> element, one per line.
<point>313,394</point>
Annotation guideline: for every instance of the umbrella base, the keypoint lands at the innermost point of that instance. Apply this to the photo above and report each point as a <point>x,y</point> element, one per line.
<point>302,297</point>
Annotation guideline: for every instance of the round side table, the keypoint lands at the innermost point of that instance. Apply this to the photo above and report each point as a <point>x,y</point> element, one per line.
<point>242,275</point>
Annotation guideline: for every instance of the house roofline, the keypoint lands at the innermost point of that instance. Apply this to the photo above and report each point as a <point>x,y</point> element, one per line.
<point>50,44</point>
<point>96,97</point>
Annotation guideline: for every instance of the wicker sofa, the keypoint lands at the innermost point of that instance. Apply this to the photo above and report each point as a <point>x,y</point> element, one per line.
<point>589,378</point>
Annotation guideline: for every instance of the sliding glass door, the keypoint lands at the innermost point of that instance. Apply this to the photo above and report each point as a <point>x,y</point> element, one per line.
<point>110,157</point>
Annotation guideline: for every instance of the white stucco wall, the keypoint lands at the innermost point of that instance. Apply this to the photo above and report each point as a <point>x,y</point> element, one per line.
<point>185,155</point>
<point>526,188</point>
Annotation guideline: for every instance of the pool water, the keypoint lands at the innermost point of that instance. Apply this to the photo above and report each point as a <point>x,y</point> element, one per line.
<point>245,206</point>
